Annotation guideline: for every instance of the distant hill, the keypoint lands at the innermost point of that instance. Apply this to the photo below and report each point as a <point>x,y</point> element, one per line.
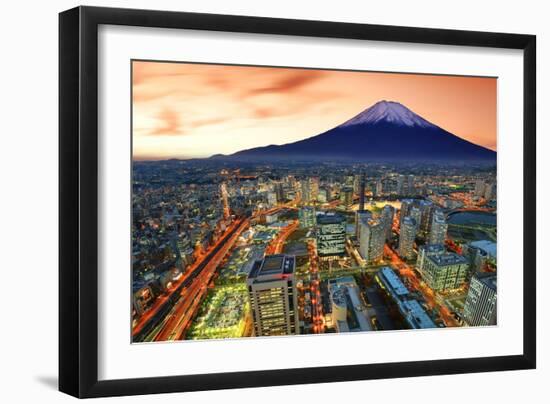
<point>386,132</point>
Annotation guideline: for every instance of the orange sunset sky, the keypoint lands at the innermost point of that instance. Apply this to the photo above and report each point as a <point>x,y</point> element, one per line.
<point>183,110</point>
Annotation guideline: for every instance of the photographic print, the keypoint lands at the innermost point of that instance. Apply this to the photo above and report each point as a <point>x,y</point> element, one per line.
<point>275,201</point>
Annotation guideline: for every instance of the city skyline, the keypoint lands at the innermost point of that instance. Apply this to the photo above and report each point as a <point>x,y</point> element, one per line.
<point>183,110</point>
<point>385,220</point>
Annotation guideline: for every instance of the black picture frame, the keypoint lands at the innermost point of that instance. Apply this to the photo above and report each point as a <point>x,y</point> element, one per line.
<point>78,200</point>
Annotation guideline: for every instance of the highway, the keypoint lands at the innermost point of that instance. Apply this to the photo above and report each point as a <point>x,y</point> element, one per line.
<point>191,296</point>
<point>149,322</point>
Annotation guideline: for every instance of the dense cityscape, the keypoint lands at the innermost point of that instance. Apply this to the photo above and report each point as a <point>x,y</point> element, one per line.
<point>229,250</point>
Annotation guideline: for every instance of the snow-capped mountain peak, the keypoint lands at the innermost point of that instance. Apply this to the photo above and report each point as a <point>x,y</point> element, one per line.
<point>389,112</point>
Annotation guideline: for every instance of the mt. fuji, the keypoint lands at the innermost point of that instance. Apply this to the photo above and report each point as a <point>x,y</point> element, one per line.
<point>386,132</point>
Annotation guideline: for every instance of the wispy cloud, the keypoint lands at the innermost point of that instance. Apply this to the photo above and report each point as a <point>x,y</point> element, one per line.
<point>169,124</point>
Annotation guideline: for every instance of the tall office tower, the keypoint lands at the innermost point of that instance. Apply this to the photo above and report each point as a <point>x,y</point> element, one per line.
<point>438,231</point>
<point>407,234</point>
<point>307,217</point>
<point>480,307</point>
<point>225,200</point>
<point>387,219</point>
<point>372,238</point>
<point>331,236</point>
<point>346,196</point>
<point>272,295</point>
<point>359,216</point>
<point>479,189</point>
<point>271,198</point>
<point>426,209</point>
<point>280,192</point>
<point>490,191</point>
<point>410,185</point>
<point>314,187</point>
<point>378,188</point>
<point>357,183</point>
<point>362,193</point>
<point>306,194</point>
<point>349,181</point>
<point>323,195</point>
<point>425,251</point>
<point>416,214</point>
<point>400,185</point>
<point>445,271</point>
<point>406,205</point>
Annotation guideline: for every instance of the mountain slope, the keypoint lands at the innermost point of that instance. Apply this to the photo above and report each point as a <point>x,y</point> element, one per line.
<point>387,131</point>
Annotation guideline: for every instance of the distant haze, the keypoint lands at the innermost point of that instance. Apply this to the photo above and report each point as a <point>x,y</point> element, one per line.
<point>185,110</point>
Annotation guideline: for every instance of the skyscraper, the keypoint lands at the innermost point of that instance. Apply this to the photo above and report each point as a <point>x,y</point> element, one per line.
<point>306,193</point>
<point>400,185</point>
<point>307,217</point>
<point>314,187</point>
<point>479,189</point>
<point>426,211</point>
<point>410,185</point>
<point>372,238</point>
<point>407,234</point>
<point>406,205</point>
<point>346,196</point>
<point>438,232</point>
<point>416,214</point>
<point>359,216</point>
<point>331,237</point>
<point>272,296</point>
<point>387,218</point>
<point>480,307</point>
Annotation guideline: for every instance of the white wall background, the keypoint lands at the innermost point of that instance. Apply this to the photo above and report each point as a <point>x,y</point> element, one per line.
<point>28,203</point>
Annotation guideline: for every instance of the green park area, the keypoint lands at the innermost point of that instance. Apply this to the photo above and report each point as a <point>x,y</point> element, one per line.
<point>222,314</point>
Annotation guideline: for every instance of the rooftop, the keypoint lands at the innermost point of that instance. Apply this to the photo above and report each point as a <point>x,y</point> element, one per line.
<point>330,219</point>
<point>448,259</point>
<point>394,282</point>
<point>416,315</point>
<point>278,264</point>
<point>488,246</point>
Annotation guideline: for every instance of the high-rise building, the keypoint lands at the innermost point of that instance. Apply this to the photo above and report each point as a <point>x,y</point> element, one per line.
<point>359,216</point>
<point>444,271</point>
<point>480,307</point>
<point>346,196</point>
<point>307,217</point>
<point>271,198</point>
<point>407,234</point>
<point>306,193</point>
<point>371,240</point>
<point>272,295</point>
<point>410,185</point>
<point>406,205</point>
<point>426,211</point>
<point>416,214</point>
<point>400,189</point>
<point>280,192</point>
<point>378,188</point>
<point>438,231</point>
<point>427,250</point>
<point>490,191</point>
<point>387,215</point>
<point>323,195</point>
<point>479,189</point>
<point>314,187</point>
<point>331,236</point>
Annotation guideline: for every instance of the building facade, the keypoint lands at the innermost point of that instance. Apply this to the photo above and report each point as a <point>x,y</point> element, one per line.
<point>438,231</point>
<point>407,234</point>
<point>371,240</point>
<point>480,307</point>
<point>272,296</point>
<point>444,271</point>
<point>331,235</point>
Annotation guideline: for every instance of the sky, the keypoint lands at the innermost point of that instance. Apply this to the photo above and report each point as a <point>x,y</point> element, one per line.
<point>183,110</point>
